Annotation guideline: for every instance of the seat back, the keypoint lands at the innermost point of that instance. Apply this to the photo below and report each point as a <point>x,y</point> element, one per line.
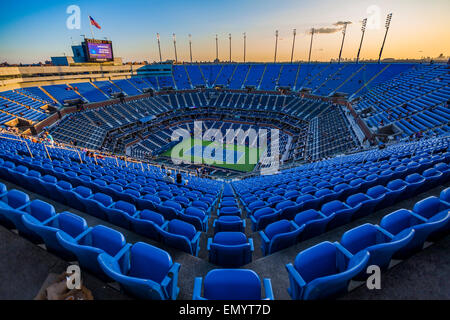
<point>143,255</point>
<point>235,284</point>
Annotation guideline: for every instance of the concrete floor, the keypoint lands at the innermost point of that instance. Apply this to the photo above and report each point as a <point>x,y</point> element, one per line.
<point>24,266</point>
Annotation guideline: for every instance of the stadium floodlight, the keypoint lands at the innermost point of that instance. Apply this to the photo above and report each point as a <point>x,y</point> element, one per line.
<point>229,37</point>
<point>293,45</point>
<point>310,46</point>
<point>175,46</point>
<point>387,25</point>
<point>363,29</point>
<point>245,40</point>
<point>276,46</point>
<point>344,31</point>
<point>217,47</point>
<point>190,46</point>
<point>159,47</point>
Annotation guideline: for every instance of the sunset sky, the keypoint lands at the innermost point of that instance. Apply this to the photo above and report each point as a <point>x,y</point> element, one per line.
<point>33,31</point>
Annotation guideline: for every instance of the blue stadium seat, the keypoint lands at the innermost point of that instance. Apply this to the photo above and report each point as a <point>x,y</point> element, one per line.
<point>229,223</point>
<point>342,212</point>
<point>263,217</point>
<point>279,235</point>
<point>88,245</point>
<point>230,249</point>
<point>380,244</point>
<point>147,223</point>
<point>181,235</point>
<point>130,268</point>
<point>66,222</point>
<point>231,284</point>
<point>9,202</point>
<point>314,222</point>
<point>400,222</point>
<point>323,271</point>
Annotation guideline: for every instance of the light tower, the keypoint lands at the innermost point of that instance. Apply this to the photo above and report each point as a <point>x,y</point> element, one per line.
<point>344,30</point>
<point>276,46</point>
<point>245,40</point>
<point>388,23</point>
<point>190,46</point>
<point>293,44</point>
<point>217,48</point>
<point>363,29</point>
<point>310,46</point>
<point>175,47</point>
<point>229,37</point>
<point>159,47</point>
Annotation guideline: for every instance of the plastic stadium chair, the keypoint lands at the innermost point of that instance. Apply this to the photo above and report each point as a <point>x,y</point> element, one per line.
<point>130,268</point>
<point>9,202</point>
<point>278,236</point>
<point>181,235</point>
<point>382,195</point>
<point>168,212</point>
<point>255,205</point>
<point>433,177</point>
<point>415,184</point>
<point>147,201</point>
<point>400,222</point>
<point>46,185</point>
<point>38,209</point>
<point>98,204</point>
<point>195,216</point>
<point>445,195</point>
<point>323,271</point>
<point>433,209</point>
<point>66,222</point>
<point>147,223</point>
<point>380,244</point>
<point>229,223</point>
<point>229,211</point>
<point>230,249</point>
<point>342,212</point>
<point>364,204</point>
<point>314,222</point>
<point>397,189</point>
<point>87,246</point>
<point>308,202</point>
<point>263,217</point>
<point>231,284</point>
<point>445,169</point>
<point>326,195</point>
<point>118,211</point>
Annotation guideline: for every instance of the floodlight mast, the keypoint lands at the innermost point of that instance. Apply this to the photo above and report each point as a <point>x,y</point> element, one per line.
<point>310,46</point>
<point>229,37</point>
<point>159,47</point>
<point>245,40</point>
<point>190,46</point>
<point>276,46</point>
<point>217,48</point>
<point>175,47</point>
<point>293,45</point>
<point>363,29</point>
<point>344,31</point>
<point>387,25</point>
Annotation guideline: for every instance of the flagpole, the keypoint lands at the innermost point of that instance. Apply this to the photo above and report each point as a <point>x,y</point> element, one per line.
<point>92,31</point>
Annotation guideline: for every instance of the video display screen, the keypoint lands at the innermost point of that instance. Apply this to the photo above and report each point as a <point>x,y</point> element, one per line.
<point>99,50</point>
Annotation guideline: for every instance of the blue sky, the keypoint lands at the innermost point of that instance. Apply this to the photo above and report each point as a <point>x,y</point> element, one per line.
<point>32,31</point>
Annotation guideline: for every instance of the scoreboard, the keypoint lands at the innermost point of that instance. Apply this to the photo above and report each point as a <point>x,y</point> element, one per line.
<point>98,50</point>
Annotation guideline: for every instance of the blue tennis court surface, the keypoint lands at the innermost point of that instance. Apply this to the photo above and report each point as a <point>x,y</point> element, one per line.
<point>216,154</point>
